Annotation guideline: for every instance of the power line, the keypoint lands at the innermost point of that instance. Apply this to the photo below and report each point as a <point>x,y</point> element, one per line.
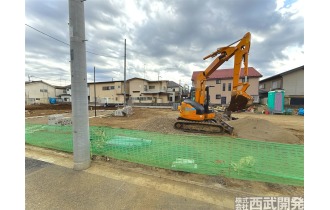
<point>67,43</point>
<point>47,34</point>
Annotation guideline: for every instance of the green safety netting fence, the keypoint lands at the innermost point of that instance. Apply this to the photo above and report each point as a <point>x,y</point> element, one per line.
<point>212,155</point>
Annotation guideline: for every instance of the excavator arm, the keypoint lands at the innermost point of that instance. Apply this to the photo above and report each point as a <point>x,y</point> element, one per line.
<point>239,99</point>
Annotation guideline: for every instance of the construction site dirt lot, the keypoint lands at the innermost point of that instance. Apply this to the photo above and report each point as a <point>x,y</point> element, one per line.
<point>279,128</point>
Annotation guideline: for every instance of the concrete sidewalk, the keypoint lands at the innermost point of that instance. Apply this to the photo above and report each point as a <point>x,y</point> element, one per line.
<point>51,183</point>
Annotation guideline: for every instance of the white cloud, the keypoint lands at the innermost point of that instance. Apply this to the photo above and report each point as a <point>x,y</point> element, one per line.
<point>295,59</point>
<point>170,37</point>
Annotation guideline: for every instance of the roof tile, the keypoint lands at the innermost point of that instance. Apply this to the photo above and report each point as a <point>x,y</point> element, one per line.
<point>228,73</point>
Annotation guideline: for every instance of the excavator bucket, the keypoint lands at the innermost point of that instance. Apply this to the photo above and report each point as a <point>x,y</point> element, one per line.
<point>239,102</point>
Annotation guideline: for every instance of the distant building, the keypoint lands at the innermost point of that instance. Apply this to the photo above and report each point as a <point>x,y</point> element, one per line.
<point>138,90</point>
<point>38,92</point>
<point>175,91</point>
<point>222,80</point>
<point>63,93</point>
<point>145,91</point>
<point>111,92</point>
<point>292,82</point>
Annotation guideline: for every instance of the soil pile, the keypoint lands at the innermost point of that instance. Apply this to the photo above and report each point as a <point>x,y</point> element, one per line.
<point>260,129</point>
<point>160,124</point>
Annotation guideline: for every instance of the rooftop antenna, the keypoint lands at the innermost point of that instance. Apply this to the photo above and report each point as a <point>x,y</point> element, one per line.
<point>144,71</point>
<point>29,76</point>
<point>158,76</point>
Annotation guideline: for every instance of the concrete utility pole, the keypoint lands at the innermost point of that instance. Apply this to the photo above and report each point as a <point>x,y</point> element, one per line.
<point>80,122</point>
<point>125,76</point>
<point>94,93</point>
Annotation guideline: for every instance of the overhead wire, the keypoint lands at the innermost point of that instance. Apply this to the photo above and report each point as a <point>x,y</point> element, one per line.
<point>67,43</point>
<point>93,53</point>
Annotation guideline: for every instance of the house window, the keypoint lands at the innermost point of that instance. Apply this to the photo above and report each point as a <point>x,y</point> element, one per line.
<point>136,91</point>
<point>274,84</point>
<point>44,90</point>
<point>108,87</point>
<point>224,87</point>
<point>64,91</point>
<point>218,96</point>
<point>152,87</point>
<point>218,81</point>
<point>145,87</point>
<point>118,86</point>
<point>262,86</point>
<point>243,79</point>
<point>229,86</point>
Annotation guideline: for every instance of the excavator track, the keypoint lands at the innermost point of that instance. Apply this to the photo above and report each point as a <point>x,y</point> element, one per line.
<point>203,127</point>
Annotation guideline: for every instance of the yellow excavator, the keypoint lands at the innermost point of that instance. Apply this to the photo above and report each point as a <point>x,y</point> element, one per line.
<point>195,114</point>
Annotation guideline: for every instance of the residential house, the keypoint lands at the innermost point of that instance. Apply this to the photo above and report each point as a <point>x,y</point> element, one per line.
<point>111,92</point>
<point>222,81</point>
<point>145,91</point>
<point>292,82</point>
<point>63,93</point>
<point>175,92</point>
<point>38,92</point>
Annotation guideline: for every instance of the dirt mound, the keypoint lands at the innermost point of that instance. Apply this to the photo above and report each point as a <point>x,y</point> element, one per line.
<point>264,130</point>
<point>160,124</point>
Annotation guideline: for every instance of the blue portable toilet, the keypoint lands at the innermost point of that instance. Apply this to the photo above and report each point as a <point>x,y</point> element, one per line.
<point>275,101</point>
<point>52,100</point>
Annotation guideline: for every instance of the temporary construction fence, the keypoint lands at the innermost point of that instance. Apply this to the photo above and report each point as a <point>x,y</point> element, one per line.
<point>212,155</point>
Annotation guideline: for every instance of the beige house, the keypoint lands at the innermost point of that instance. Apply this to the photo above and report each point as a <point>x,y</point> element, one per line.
<point>107,92</point>
<point>221,79</point>
<point>292,82</point>
<point>112,92</point>
<point>145,91</point>
<point>138,90</point>
<point>38,92</point>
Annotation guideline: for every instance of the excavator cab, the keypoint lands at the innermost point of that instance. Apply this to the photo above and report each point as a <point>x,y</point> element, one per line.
<point>191,110</point>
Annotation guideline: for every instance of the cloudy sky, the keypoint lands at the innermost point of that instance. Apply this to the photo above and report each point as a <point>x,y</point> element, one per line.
<point>166,39</point>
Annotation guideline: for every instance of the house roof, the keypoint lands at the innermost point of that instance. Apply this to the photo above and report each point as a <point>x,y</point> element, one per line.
<point>39,81</point>
<point>228,73</point>
<point>172,84</point>
<point>137,78</point>
<point>90,83</point>
<point>283,73</point>
<point>147,80</point>
<point>62,87</point>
